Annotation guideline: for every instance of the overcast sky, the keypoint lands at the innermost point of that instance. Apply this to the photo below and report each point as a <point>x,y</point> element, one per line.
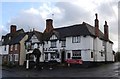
<point>32,14</point>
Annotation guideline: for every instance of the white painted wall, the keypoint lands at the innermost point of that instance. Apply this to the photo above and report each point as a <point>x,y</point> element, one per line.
<point>35,40</point>
<point>87,45</point>
<point>110,56</point>
<point>98,47</point>
<point>3,49</point>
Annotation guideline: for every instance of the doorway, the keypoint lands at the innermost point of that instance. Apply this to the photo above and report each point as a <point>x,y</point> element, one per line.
<point>63,57</point>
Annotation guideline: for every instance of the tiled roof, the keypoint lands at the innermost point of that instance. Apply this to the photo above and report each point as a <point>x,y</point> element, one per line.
<point>83,29</point>
<point>39,35</point>
<point>10,36</point>
<point>17,39</point>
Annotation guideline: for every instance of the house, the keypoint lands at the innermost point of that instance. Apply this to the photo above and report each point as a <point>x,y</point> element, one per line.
<point>34,41</point>
<point>79,41</point>
<point>13,45</point>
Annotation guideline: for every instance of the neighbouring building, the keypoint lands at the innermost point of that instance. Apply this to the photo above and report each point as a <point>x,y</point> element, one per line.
<point>34,41</point>
<point>13,46</point>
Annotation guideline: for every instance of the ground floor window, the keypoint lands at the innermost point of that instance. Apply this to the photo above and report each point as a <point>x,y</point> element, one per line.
<point>16,57</point>
<point>91,54</point>
<point>68,55</point>
<point>46,56</point>
<point>10,57</point>
<point>76,54</point>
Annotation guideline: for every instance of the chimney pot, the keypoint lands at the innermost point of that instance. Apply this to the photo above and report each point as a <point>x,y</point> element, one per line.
<point>96,16</point>
<point>49,25</point>
<point>106,33</point>
<point>96,25</point>
<point>13,28</point>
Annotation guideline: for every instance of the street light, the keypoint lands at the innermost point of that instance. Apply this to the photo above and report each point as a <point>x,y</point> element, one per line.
<point>27,47</point>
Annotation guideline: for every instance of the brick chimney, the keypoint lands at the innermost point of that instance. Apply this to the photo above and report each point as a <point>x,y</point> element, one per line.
<point>49,25</point>
<point>96,25</point>
<point>106,35</point>
<point>13,28</point>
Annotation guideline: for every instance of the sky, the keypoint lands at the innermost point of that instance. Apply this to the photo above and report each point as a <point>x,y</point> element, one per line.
<point>31,14</point>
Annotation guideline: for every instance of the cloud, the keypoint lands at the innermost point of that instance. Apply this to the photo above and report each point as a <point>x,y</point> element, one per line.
<point>69,13</point>
<point>35,17</point>
<point>28,19</point>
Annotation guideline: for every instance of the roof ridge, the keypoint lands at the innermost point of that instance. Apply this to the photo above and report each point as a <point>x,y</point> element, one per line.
<point>67,26</point>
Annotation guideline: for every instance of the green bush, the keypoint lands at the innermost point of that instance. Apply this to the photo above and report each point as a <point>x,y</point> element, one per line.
<point>117,56</point>
<point>10,64</point>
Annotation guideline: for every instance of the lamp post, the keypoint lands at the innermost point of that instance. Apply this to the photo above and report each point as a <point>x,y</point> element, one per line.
<point>27,47</point>
<point>27,62</point>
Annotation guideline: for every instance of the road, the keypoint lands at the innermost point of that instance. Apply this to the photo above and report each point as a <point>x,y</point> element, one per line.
<point>106,70</point>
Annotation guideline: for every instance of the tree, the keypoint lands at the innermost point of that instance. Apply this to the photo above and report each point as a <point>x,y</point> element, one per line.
<point>117,56</point>
<point>37,54</point>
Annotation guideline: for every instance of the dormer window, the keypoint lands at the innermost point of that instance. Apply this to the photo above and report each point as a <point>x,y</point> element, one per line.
<point>53,37</point>
<point>9,38</point>
<point>34,37</point>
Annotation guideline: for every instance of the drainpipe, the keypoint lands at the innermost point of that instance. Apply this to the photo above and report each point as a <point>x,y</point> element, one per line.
<point>105,53</point>
<point>43,52</point>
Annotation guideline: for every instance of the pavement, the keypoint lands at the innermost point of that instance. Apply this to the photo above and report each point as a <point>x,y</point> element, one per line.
<point>109,71</point>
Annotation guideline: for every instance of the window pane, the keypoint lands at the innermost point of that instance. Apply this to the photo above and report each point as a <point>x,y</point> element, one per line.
<point>76,39</point>
<point>11,48</point>
<point>53,43</point>
<point>16,47</point>
<point>63,44</point>
<point>16,57</point>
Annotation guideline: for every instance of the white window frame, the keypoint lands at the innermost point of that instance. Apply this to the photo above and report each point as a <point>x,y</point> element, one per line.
<point>10,55</point>
<point>11,48</point>
<point>53,44</point>
<point>9,38</point>
<point>76,53</point>
<point>5,48</point>
<point>76,39</point>
<point>16,46</point>
<point>16,57</point>
<point>63,44</point>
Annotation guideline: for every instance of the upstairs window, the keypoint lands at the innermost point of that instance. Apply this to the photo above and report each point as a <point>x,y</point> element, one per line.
<point>103,43</point>
<point>2,40</point>
<point>9,38</point>
<point>76,39</point>
<point>11,48</point>
<point>16,47</point>
<point>5,48</point>
<point>63,44</point>
<point>53,37</point>
<point>53,44</point>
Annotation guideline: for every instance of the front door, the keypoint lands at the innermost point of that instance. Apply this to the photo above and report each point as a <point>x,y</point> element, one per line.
<point>63,57</point>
